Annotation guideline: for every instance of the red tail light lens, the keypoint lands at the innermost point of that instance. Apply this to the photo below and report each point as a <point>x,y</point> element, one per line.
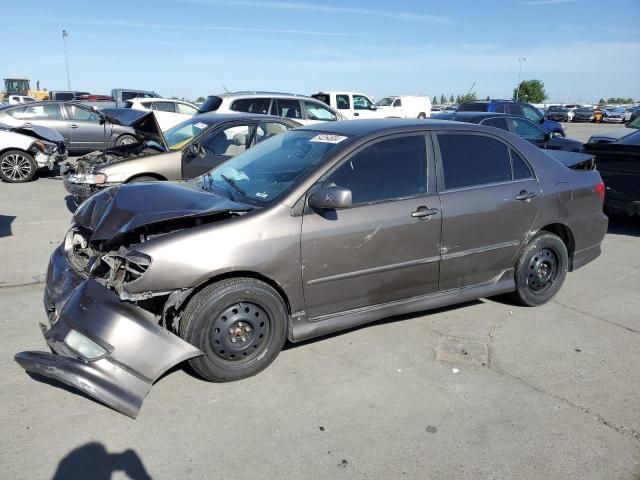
<point>600,189</point>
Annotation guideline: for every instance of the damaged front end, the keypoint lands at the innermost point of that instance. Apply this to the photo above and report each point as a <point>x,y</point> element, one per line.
<point>106,341</point>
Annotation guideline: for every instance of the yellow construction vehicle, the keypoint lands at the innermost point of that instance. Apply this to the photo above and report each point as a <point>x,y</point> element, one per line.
<point>21,86</point>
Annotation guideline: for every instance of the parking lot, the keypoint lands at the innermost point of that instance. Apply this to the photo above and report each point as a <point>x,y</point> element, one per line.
<point>480,390</point>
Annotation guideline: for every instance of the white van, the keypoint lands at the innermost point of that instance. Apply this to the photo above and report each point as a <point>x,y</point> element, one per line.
<point>405,106</point>
<point>350,104</point>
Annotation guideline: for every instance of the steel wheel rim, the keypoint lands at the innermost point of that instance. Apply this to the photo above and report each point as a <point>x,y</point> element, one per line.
<point>543,270</point>
<point>16,166</point>
<point>240,332</point>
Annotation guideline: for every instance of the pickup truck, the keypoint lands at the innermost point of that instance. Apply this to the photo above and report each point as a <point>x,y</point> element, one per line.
<point>351,104</point>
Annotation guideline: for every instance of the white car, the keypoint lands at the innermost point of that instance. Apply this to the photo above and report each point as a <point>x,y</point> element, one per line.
<point>168,112</point>
<point>16,99</point>
<point>405,106</point>
<point>351,104</point>
<point>304,110</point>
<point>24,150</point>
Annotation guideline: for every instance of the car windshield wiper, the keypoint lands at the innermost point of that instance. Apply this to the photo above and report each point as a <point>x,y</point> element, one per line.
<point>235,185</point>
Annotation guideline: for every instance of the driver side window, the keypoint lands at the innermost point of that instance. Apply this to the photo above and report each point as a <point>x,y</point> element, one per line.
<point>386,170</point>
<point>79,114</point>
<point>228,142</point>
<point>361,103</point>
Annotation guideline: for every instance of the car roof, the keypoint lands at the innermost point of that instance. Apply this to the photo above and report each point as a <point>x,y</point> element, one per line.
<point>339,92</point>
<point>251,94</point>
<point>477,117</point>
<point>226,117</point>
<point>390,125</point>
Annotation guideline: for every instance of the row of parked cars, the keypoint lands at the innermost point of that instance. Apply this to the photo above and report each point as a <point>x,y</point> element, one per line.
<point>579,113</point>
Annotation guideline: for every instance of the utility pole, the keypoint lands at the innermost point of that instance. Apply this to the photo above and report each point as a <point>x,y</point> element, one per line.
<point>65,34</point>
<point>521,60</point>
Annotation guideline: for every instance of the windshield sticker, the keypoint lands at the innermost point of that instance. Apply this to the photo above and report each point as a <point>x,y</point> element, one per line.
<point>325,138</point>
<point>200,125</point>
<point>261,195</point>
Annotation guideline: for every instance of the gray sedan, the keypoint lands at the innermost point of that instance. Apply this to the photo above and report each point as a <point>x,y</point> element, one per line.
<point>316,230</point>
<point>83,128</point>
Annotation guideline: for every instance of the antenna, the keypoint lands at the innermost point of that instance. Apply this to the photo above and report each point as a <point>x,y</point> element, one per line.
<point>225,89</point>
<point>474,84</point>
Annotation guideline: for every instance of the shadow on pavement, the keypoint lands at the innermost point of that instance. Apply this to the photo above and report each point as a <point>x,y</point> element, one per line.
<point>620,225</point>
<point>93,461</point>
<point>5,225</point>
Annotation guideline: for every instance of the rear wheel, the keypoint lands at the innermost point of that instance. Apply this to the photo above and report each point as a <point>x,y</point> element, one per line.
<point>541,270</point>
<point>240,324</point>
<point>17,166</point>
<point>422,115</point>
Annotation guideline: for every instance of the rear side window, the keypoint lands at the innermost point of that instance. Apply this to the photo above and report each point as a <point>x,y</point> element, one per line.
<point>37,112</point>
<point>500,123</point>
<point>130,95</point>
<point>286,108</point>
<point>501,109</point>
<point>252,105</point>
<point>473,160</point>
<point>163,106</point>
<point>342,102</point>
<point>473,107</point>
<point>515,109</point>
<point>397,102</point>
<point>64,96</point>
<point>211,104</point>
<point>186,109</point>
<point>521,169</point>
<point>386,170</point>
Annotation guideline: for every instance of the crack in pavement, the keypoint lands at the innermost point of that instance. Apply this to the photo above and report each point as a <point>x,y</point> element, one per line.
<point>635,434</point>
<point>596,317</point>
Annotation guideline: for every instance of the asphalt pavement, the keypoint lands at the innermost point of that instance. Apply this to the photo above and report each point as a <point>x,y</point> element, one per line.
<point>541,393</point>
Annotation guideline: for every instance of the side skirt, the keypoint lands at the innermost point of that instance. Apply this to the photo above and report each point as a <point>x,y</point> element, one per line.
<point>304,329</point>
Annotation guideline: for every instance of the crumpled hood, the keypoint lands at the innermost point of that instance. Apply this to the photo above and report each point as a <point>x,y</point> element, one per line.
<point>123,208</point>
<point>36,131</point>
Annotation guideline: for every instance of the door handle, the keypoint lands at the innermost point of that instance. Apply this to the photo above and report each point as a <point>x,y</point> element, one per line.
<point>356,114</point>
<point>73,125</point>
<point>525,196</point>
<point>423,212</point>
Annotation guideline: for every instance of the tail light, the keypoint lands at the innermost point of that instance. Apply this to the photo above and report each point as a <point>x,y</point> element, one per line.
<point>600,189</point>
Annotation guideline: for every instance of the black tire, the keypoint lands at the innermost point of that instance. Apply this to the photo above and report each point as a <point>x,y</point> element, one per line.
<point>541,270</point>
<point>421,116</point>
<point>240,324</point>
<point>17,166</point>
<point>125,140</point>
<point>143,178</point>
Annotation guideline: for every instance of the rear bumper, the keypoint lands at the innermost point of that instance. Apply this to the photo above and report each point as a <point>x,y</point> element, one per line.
<point>598,229</point>
<point>138,350</point>
<point>629,207</point>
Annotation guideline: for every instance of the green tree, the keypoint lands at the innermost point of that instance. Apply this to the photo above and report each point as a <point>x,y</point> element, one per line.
<point>435,100</point>
<point>531,91</point>
<point>602,102</point>
<point>468,97</point>
<point>620,100</point>
<point>488,98</point>
<point>458,98</point>
<point>443,99</point>
<point>451,99</point>
<point>200,99</point>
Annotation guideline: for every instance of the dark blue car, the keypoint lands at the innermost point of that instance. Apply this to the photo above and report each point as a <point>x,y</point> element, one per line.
<point>514,108</point>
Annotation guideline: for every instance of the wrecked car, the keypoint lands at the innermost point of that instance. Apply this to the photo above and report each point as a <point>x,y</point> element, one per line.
<point>313,231</point>
<point>183,152</point>
<point>26,149</point>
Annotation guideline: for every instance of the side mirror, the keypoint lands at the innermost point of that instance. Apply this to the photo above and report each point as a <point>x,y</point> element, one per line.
<point>331,198</point>
<point>373,107</point>
<point>194,149</point>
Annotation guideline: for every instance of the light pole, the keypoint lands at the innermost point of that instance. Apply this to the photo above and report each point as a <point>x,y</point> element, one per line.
<point>521,60</point>
<point>65,34</point>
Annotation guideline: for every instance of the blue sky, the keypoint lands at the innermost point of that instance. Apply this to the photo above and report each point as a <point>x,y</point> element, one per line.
<point>581,49</point>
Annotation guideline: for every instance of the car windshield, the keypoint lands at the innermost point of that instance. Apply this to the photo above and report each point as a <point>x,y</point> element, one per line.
<point>269,170</point>
<point>585,110</point>
<point>385,102</point>
<point>180,135</point>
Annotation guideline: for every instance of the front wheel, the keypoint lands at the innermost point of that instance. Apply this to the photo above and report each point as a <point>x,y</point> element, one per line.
<point>125,140</point>
<point>17,166</point>
<point>541,270</point>
<point>240,324</point>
